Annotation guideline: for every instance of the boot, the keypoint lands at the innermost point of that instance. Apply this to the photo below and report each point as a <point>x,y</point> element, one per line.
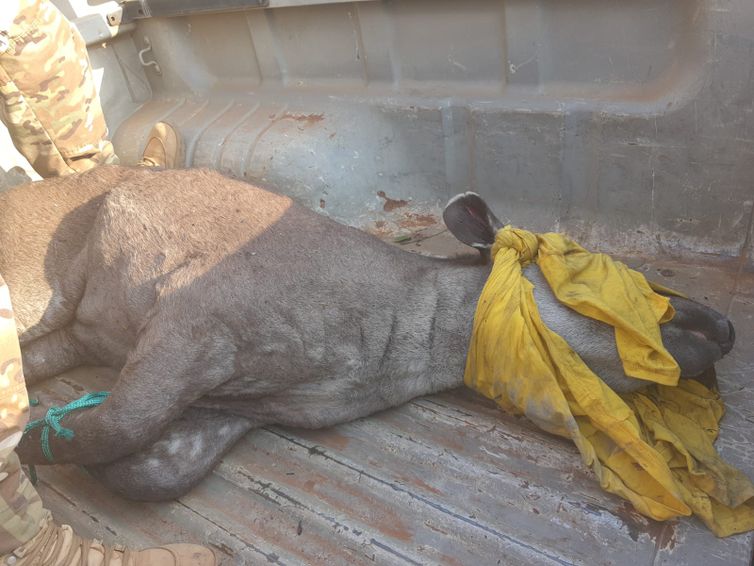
<point>164,148</point>
<point>59,546</point>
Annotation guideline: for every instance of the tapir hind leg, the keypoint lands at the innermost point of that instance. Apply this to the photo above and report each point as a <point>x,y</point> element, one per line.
<point>188,450</point>
<point>177,359</point>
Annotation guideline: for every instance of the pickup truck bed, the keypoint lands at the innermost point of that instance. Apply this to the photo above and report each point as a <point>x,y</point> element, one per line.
<point>626,125</point>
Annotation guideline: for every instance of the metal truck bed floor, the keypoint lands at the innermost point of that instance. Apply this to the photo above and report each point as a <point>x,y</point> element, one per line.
<point>447,479</point>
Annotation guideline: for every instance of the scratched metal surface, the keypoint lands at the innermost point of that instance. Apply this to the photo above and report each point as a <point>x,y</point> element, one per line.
<point>447,479</point>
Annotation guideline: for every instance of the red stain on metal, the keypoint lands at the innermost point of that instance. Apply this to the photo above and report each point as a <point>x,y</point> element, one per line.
<point>662,533</point>
<point>415,220</point>
<point>450,560</point>
<point>414,481</point>
<point>380,229</point>
<point>390,203</point>
<point>424,485</point>
<point>305,119</point>
<point>328,438</point>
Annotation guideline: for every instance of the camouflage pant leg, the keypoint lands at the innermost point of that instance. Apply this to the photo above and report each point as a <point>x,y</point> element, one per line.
<point>48,99</point>
<point>21,511</point>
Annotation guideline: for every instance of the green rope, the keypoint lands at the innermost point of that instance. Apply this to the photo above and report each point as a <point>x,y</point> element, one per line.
<point>53,416</point>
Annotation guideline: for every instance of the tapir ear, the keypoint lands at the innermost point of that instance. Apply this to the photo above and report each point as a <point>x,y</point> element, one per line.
<point>470,220</point>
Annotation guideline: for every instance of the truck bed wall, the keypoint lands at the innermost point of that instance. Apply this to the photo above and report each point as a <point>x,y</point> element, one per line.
<point>628,125</point>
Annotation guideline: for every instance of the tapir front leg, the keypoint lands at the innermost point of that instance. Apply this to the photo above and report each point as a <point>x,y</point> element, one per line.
<point>177,359</point>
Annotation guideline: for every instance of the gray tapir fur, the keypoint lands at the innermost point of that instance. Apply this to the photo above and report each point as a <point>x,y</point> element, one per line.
<point>227,307</point>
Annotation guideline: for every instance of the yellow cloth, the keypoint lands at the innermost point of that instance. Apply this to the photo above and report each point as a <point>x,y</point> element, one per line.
<point>652,448</point>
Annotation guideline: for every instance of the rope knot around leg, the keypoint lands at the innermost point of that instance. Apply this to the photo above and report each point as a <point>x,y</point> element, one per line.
<point>52,419</point>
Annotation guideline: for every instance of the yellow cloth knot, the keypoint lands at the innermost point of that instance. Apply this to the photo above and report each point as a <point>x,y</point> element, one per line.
<point>653,448</point>
<point>522,241</point>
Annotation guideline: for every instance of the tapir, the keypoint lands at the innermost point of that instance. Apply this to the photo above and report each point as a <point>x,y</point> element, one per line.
<point>224,307</point>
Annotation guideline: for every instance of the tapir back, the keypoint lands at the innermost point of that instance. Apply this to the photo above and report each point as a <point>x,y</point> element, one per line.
<point>302,293</point>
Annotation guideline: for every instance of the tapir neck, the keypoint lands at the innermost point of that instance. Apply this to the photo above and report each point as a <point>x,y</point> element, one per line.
<point>457,290</point>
